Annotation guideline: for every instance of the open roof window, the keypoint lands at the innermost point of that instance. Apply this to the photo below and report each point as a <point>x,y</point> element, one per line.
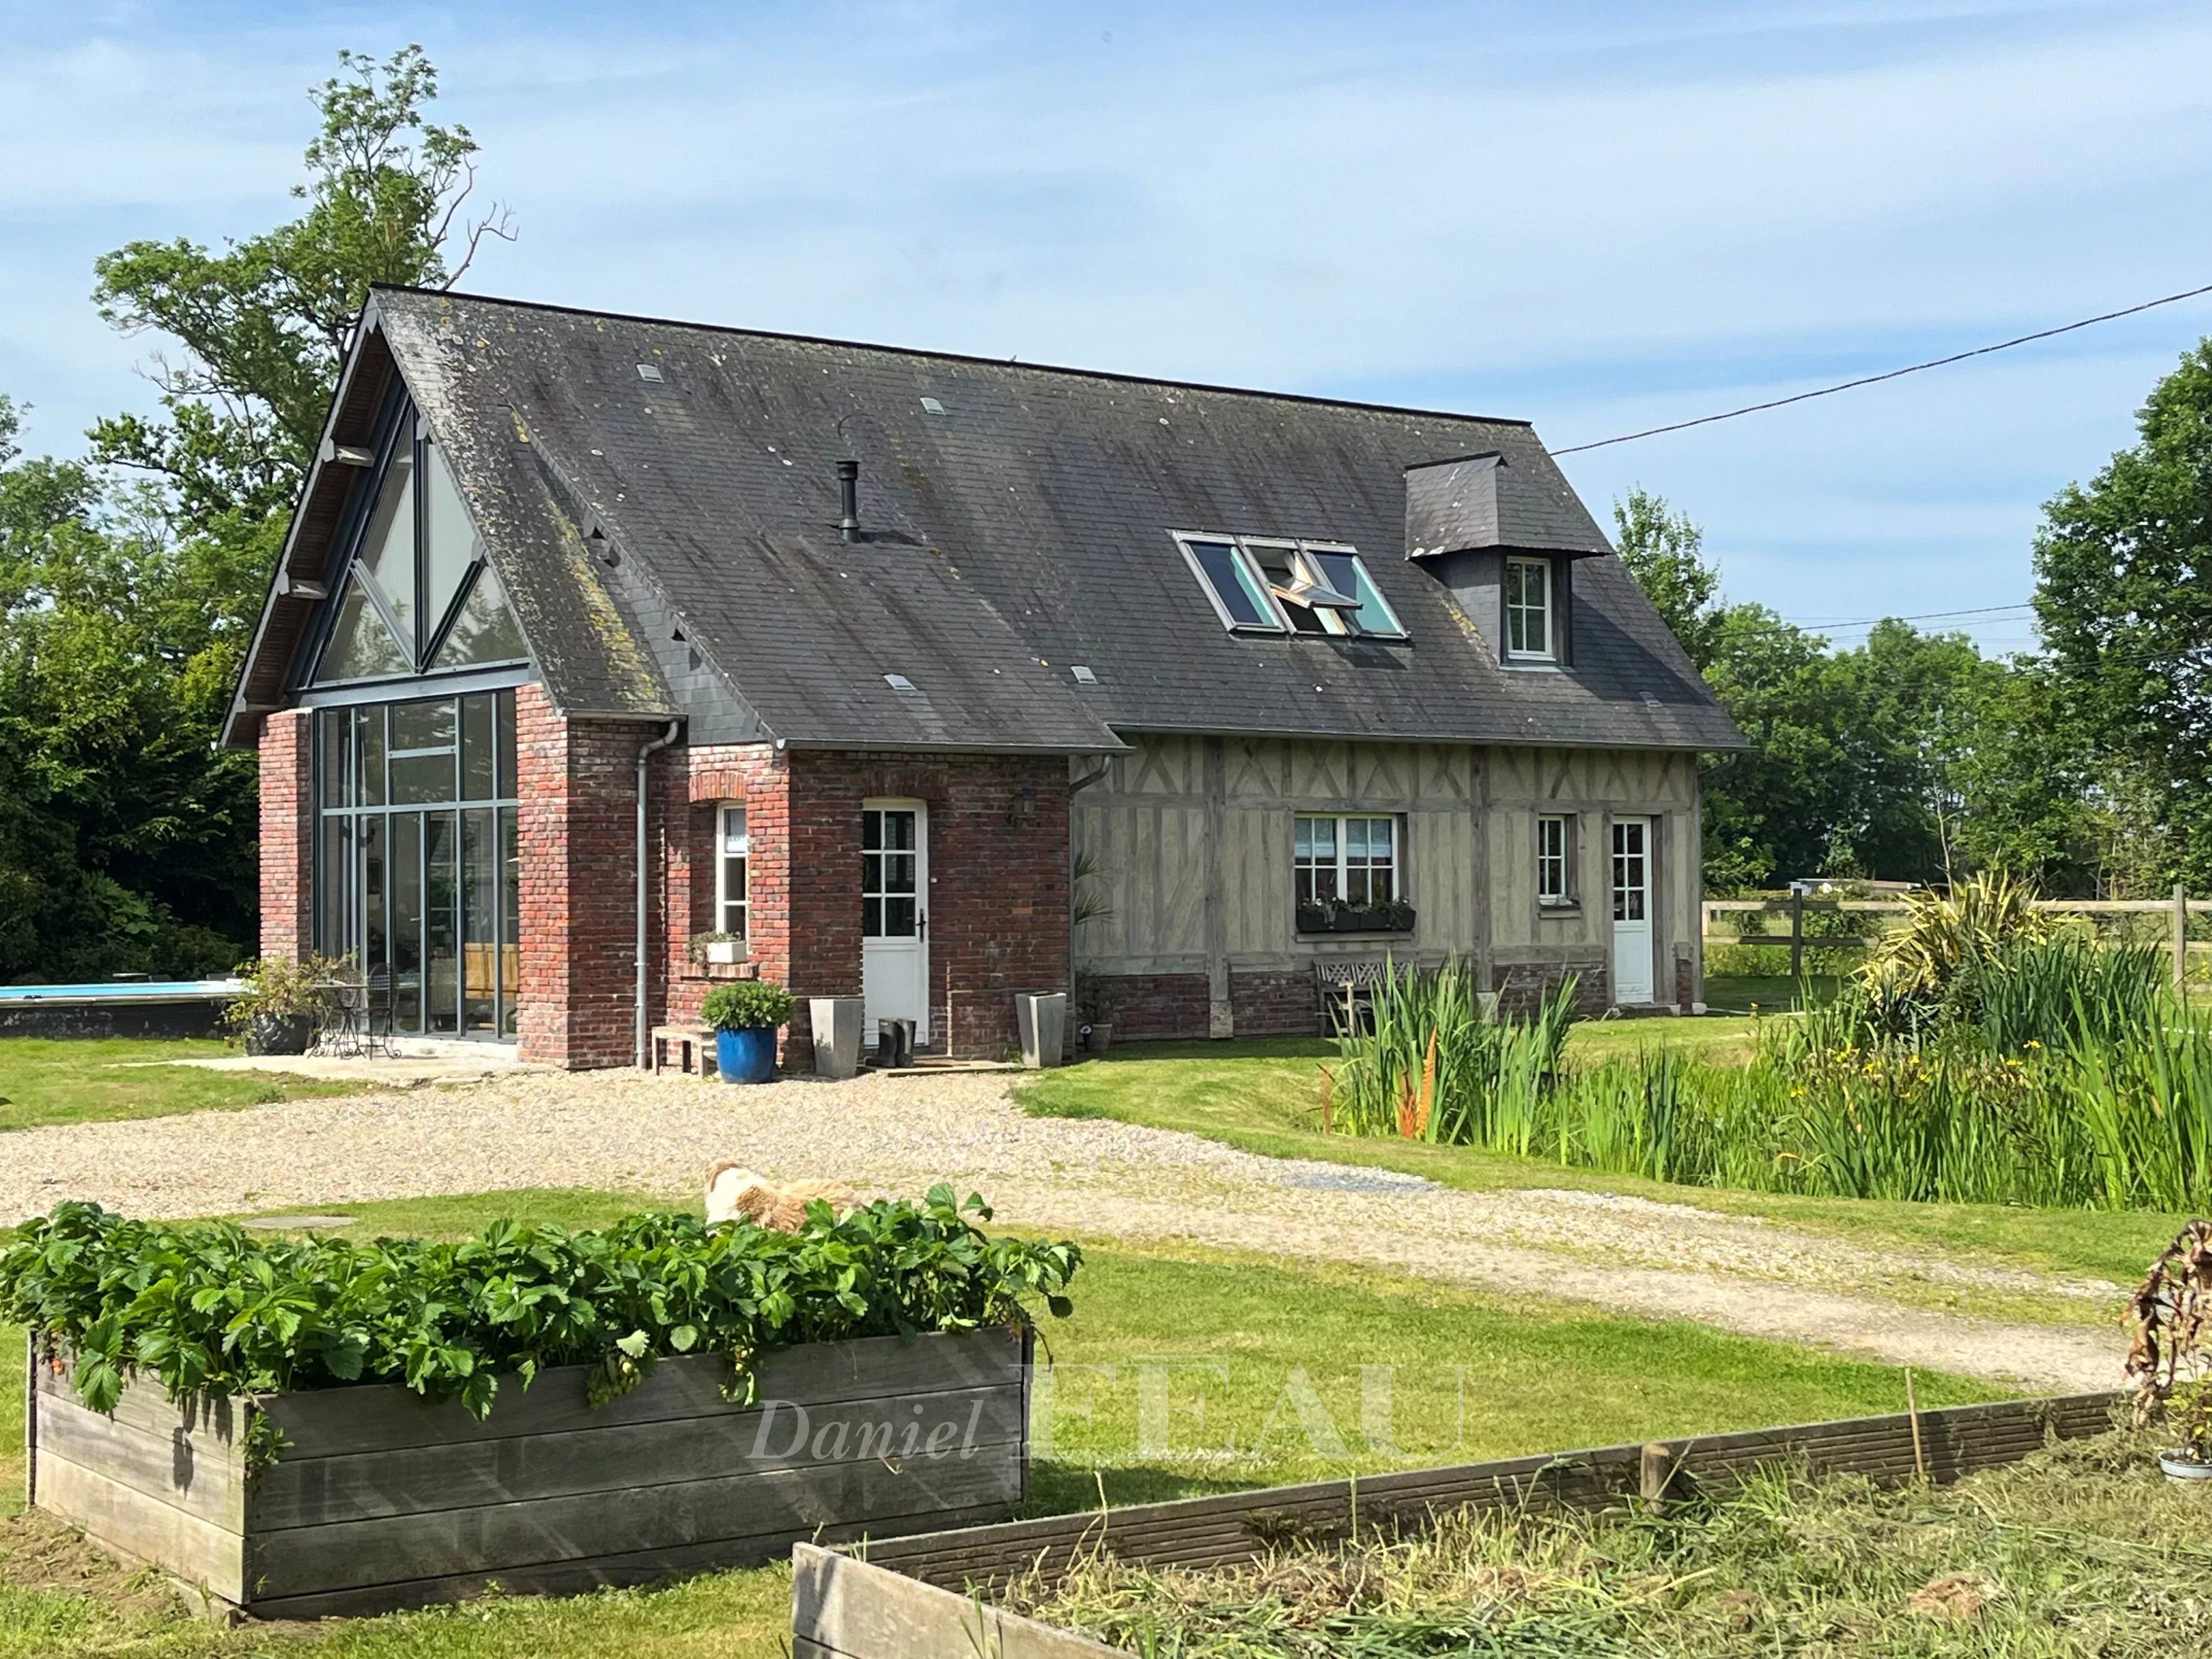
<point>1261,584</point>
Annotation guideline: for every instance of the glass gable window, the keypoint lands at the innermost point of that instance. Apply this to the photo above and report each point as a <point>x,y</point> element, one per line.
<point>1264,585</point>
<point>1352,861</point>
<point>1528,609</point>
<point>418,876</point>
<point>419,596</point>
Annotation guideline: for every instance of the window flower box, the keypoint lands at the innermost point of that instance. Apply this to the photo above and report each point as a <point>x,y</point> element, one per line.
<point>380,1498</point>
<point>1391,917</point>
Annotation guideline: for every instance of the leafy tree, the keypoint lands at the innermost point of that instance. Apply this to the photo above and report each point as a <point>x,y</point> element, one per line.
<point>265,323</point>
<point>2124,598</point>
<point>1664,550</point>
<point>1860,760</point>
<point>126,838</point>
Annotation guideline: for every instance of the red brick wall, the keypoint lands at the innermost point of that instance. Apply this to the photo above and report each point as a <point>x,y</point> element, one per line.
<point>1521,985</point>
<point>1274,1004</point>
<point>578,782</point>
<point>1145,1008</point>
<point>287,820</point>
<point>998,864</point>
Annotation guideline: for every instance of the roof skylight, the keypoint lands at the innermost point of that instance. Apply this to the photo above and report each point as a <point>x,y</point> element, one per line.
<point>1262,584</point>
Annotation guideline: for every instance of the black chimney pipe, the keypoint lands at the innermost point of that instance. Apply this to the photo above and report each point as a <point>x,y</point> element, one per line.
<point>848,488</point>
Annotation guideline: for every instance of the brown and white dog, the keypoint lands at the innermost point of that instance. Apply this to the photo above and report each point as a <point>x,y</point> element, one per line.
<point>735,1193</point>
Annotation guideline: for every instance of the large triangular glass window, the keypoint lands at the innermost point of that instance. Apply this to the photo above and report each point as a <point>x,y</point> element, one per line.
<point>485,631</point>
<point>419,596</point>
<point>387,551</point>
<point>454,548</point>
<point>362,646</point>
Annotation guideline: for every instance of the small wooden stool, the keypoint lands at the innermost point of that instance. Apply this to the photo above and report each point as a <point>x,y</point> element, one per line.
<point>691,1040</point>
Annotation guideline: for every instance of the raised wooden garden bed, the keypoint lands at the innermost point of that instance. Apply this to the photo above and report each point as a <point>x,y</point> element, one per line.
<point>925,1593</point>
<point>379,1500</point>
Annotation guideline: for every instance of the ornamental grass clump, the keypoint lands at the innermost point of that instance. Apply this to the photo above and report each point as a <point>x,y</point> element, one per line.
<point>213,1310</point>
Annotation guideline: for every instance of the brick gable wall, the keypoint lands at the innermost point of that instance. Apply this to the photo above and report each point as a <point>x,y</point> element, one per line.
<point>288,828</point>
<point>578,832</point>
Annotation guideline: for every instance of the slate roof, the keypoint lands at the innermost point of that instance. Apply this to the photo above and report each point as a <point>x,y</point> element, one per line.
<point>1021,532</point>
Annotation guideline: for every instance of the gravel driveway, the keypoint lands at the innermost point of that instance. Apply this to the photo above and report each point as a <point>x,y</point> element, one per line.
<point>888,1132</point>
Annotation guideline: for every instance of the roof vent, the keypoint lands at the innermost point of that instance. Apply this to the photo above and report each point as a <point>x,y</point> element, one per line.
<point>1652,701</point>
<point>848,492</point>
<point>899,682</point>
<point>1083,675</point>
<point>931,406</point>
<point>651,371</point>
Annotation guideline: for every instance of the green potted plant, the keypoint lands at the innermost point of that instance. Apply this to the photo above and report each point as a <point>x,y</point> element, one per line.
<point>745,1016</point>
<point>2169,1367</point>
<point>283,1002</point>
<point>2189,1412</point>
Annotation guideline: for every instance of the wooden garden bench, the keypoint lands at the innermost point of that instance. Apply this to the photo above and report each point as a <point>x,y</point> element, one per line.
<point>1344,991</point>
<point>689,1040</point>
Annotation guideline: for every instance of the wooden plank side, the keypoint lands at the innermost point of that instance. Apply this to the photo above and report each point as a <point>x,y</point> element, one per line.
<point>864,1612</point>
<point>131,1524</point>
<point>176,1470</point>
<point>335,1422</point>
<point>299,1491</point>
<point>630,1567</point>
<point>142,1404</point>
<point>1961,1440</point>
<point>498,1539</point>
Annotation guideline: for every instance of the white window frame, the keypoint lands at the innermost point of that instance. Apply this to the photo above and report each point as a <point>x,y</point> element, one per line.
<point>1244,548</point>
<point>1555,863</point>
<point>1341,867</point>
<point>1548,611</point>
<point>724,904</point>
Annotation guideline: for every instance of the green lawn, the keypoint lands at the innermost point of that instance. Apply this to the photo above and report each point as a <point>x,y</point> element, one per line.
<point>45,1081</point>
<point>1263,1095</point>
<point>1219,1352</point>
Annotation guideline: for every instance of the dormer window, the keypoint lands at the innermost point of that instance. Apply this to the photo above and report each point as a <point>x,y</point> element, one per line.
<point>1529,631</point>
<point>1261,584</point>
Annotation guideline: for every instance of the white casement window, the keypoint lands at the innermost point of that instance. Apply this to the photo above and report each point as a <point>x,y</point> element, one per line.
<point>1350,861</point>
<point>1554,859</point>
<point>734,851</point>
<point>1528,609</point>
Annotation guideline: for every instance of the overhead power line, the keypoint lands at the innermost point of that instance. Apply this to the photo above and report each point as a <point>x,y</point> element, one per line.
<point>1891,374</point>
<point>1915,616</point>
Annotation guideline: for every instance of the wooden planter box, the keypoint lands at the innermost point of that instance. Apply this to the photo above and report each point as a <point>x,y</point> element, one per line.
<point>930,1592</point>
<point>381,1499</point>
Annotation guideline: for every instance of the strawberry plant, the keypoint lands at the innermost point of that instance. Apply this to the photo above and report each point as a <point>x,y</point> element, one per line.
<point>212,1311</point>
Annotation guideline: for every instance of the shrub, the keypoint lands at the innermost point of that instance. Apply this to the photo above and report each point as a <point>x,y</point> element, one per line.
<point>747,1005</point>
<point>281,988</point>
<point>214,1310</point>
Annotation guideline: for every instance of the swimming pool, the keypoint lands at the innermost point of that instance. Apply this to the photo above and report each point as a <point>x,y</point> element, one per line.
<point>118,1008</point>
<point>126,990</point>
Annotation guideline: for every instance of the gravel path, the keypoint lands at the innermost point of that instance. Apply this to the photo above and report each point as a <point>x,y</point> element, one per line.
<point>898,1133</point>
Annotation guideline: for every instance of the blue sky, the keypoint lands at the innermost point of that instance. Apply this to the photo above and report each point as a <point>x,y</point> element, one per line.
<point>1599,216</point>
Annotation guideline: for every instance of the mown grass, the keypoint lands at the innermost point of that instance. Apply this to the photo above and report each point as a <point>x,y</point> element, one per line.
<point>44,1080</point>
<point>1228,1345</point>
<point>2083,1549</point>
<point>1263,1095</point>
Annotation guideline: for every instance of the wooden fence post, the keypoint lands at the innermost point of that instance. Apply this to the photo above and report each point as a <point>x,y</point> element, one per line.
<point>2181,936</point>
<point>1796,932</point>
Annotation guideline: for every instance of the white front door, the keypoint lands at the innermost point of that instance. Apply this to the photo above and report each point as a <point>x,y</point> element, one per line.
<point>1632,910</point>
<point>895,915</point>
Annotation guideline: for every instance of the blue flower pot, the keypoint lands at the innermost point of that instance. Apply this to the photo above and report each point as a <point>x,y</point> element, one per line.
<point>746,1056</point>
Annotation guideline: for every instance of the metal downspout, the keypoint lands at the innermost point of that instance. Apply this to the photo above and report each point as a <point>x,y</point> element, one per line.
<point>644,890</point>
